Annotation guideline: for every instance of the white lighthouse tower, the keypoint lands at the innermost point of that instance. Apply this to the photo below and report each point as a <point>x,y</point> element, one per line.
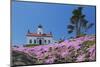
<point>40,29</point>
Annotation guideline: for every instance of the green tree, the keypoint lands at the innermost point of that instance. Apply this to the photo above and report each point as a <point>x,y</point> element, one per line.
<point>78,23</point>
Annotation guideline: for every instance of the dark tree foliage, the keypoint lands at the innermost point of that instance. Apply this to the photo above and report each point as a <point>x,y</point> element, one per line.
<point>78,23</point>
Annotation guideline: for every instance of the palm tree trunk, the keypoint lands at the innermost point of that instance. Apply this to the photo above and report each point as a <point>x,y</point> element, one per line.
<point>77,29</point>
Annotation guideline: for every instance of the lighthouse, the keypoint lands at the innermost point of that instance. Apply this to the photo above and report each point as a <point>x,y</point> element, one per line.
<point>39,37</point>
<point>40,29</point>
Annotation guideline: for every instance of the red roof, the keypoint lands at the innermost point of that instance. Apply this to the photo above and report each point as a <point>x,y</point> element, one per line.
<point>38,35</point>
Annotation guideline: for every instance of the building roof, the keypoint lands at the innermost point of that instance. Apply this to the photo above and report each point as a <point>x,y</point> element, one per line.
<point>38,35</point>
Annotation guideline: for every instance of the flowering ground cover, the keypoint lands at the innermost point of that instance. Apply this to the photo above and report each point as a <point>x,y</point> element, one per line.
<point>73,50</point>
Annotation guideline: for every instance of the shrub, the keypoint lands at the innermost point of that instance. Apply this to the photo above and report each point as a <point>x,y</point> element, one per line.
<point>88,43</point>
<point>31,45</point>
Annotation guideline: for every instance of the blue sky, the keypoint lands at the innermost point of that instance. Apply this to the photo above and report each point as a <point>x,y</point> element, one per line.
<point>53,17</point>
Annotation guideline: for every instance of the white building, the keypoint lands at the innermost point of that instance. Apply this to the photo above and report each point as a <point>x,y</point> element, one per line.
<point>39,37</point>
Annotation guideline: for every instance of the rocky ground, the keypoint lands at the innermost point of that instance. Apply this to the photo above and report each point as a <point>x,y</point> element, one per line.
<point>73,50</point>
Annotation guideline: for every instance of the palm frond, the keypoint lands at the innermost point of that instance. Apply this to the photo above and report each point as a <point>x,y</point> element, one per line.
<point>90,25</point>
<point>74,19</point>
<point>70,28</point>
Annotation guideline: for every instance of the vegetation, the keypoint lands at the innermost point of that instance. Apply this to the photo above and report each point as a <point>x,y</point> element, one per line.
<point>77,50</point>
<point>88,43</point>
<point>21,58</point>
<point>31,45</point>
<point>78,23</point>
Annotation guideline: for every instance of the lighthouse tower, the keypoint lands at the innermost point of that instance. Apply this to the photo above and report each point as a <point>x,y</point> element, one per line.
<point>40,29</point>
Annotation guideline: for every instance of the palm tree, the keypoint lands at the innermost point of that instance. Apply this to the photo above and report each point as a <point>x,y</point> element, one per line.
<point>78,23</point>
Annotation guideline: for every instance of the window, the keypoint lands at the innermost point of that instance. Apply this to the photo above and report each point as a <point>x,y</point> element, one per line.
<point>48,41</point>
<point>45,41</point>
<point>30,41</point>
<point>35,41</point>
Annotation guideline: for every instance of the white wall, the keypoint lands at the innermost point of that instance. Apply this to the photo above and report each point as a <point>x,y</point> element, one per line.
<point>32,38</point>
<point>43,38</point>
<point>49,38</point>
<point>5,33</point>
